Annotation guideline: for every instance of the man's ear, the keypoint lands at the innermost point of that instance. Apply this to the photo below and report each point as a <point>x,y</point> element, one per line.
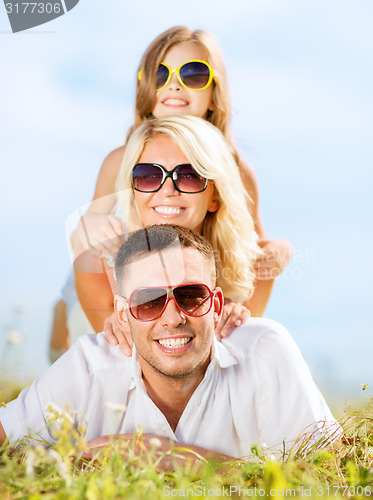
<point>120,310</point>
<point>218,305</point>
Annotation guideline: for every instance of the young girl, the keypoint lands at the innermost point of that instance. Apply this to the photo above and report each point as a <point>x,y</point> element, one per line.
<point>182,73</point>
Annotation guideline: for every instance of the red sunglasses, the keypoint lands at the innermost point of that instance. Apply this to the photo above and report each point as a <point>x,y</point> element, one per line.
<point>148,304</point>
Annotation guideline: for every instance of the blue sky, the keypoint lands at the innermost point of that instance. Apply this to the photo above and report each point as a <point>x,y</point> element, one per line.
<point>301,80</point>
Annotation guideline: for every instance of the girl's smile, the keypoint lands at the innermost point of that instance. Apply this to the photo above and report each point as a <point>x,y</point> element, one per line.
<point>172,102</point>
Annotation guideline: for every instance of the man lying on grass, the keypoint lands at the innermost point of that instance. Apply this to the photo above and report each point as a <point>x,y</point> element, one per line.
<point>180,385</point>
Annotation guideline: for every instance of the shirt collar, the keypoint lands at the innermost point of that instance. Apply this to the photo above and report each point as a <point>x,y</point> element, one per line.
<point>135,370</point>
<point>221,356</point>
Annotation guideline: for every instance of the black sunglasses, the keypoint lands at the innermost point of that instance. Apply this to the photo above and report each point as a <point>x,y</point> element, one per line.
<point>150,177</point>
<point>148,304</point>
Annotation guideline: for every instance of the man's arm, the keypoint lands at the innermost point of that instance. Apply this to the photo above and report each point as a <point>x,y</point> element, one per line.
<point>66,385</point>
<point>156,444</point>
<point>290,408</point>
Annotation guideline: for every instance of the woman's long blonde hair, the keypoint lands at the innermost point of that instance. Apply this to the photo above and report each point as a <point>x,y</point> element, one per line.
<point>230,230</point>
<point>155,54</point>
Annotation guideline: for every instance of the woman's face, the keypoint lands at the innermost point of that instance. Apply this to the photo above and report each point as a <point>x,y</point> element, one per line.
<point>169,206</point>
<point>174,98</point>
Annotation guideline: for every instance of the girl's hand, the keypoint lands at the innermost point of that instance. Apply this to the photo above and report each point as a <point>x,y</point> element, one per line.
<point>277,255</point>
<point>99,230</point>
<point>234,315</point>
<point>116,335</point>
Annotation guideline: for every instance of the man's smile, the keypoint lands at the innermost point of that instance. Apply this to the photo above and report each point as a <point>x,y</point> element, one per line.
<point>174,344</point>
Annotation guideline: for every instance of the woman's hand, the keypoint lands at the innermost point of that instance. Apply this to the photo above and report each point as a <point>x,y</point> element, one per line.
<point>234,315</point>
<point>115,335</point>
<point>98,230</point>
<point>277,255</point>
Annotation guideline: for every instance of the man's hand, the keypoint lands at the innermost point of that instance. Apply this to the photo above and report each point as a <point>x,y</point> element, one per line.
<point>151,443</point>
<point>145,442</point>
<point>234,315</point>
<point>115,335</point>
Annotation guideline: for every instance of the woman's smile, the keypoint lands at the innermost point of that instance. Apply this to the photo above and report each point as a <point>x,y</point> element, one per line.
<point>168,210</point>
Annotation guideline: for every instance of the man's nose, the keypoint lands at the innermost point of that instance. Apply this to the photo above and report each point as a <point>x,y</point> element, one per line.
<point>172,316</point>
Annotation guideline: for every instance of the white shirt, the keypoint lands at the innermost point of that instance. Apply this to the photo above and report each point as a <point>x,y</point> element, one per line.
<point>257,389</point>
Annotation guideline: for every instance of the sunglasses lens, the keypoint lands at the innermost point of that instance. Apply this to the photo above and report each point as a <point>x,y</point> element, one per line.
<point>146,177</point>
<point>188,181</point>
<point>194,300</point>
<point>195,75</point>
<point>147,303</point>
<point>162,75</point>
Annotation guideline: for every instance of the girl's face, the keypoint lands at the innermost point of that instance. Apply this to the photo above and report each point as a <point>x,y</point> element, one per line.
<point>169,206</point>
<point>174,99</point>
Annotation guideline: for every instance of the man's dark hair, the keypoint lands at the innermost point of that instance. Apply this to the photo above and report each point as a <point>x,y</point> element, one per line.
<point>156,238</point>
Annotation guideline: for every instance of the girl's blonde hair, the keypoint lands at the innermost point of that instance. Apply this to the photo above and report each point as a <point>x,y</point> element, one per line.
<point>155,54</point>
<point>230,230</point>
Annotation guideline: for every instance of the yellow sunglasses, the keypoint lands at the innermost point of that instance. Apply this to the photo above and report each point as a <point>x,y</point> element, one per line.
<point>194,75</point>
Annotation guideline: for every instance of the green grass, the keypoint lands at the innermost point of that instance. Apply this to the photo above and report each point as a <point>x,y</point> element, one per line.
<point>343,471</point>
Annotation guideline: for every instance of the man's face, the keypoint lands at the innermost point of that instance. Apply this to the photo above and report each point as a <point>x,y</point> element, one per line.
<point>175,345</point>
